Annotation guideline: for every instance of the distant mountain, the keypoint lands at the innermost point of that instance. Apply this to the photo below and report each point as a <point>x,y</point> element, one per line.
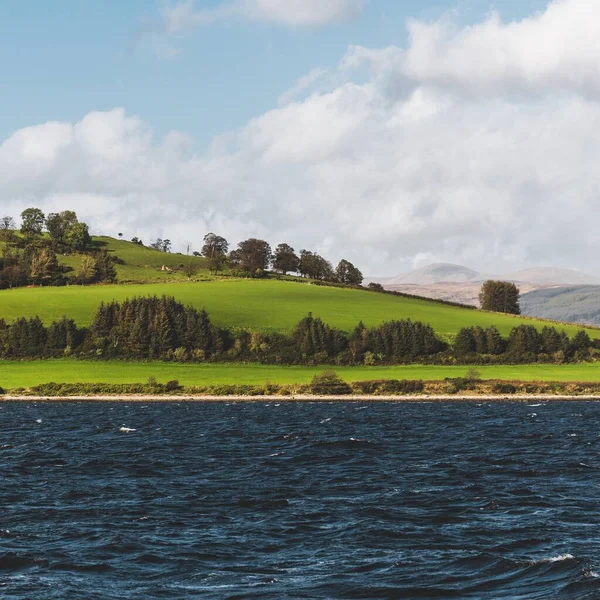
<point>435,273</point>
<point>574,304</point>
<point>551,276</point>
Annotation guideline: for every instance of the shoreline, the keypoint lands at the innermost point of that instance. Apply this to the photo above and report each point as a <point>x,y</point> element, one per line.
<point>306,398</point>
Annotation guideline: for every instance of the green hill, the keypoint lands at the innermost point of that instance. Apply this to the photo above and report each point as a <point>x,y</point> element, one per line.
<point>259,304</point>
<point>141,264</point>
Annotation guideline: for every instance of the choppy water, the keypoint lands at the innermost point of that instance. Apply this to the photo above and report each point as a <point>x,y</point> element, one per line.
<point>336,500</point>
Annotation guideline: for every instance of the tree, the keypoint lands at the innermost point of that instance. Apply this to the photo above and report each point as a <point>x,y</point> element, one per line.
<point>500,296</point>
<point>7,224</point>
<point>215,250</point>
<point>285,259</point>
<point>7,227</point>
<point>77,236</point>
<point>57,224</point>
<point>136,240</point>
<point>252,256</point>
<point>190,269</point>
<point>105,267</point>
<point>315,266</point>
<point>43,266</point>
<point>32,221</point>
<point>347,273</point>
<point>376,287</point>
<point>88,271</point>
<point>166,245</point>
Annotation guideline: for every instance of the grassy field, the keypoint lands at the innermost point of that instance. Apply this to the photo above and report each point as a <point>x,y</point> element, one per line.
<point>144,264</point>
<point>259,304</point>
<point>26,374</point>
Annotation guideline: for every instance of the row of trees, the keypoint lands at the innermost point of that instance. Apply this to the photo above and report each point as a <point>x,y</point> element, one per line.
<point>64,229</point>
<point>253,257</point>
<point>524,344</point>
<point>162,328</point>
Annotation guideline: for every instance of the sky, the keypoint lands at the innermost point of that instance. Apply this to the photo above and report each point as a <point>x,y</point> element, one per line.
<point>392,133</point>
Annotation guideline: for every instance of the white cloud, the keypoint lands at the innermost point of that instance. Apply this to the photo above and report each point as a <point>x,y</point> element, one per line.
<point>488,159</point>
<point>296,13</point>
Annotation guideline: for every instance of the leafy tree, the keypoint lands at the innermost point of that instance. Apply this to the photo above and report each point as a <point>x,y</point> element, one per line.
<point>347,273</point>
<point>252,257</point>
<point>314,266</point>
<point>376,287</point>
<point>500,296</point>
<point>215,250</point>
<point>136,240</point>
<point>285,259</point>
<point>32,221</point>
<point>88,271</point>
<point>43,266</point>
<point>190,269</point>
<point>7,223</point>
<point>77,236</point>
<point>57,224</point>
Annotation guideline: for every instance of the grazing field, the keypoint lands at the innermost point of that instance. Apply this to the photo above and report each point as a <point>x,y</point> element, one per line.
<point>259,304</point>
<point>26,374</point>
<point>144,264</point>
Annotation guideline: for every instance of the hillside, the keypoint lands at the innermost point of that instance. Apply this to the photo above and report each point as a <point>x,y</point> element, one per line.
<point>435,273</point>
<point>259,304</point>
<point>142,263</point>
<point>577,304</point>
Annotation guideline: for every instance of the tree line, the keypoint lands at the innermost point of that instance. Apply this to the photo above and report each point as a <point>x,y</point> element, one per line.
<point>164,329</point>
<point>254,257</point>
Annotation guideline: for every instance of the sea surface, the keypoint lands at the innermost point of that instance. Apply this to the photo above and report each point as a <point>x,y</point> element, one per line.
<point>299,500</point>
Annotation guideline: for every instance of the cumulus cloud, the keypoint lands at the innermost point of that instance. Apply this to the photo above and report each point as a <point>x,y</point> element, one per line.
<point>487,159</point>
<point>297,13</point>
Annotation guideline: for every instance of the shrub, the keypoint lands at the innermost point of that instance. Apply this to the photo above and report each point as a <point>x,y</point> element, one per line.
<point>172,386</point>
<point>329,383</point>
<point>2,391</point>
<point>504,388</point>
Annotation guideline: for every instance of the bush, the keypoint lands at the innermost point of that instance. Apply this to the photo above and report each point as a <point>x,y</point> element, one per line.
<point>504,388</point>
<point>2,391</point>
<point>172,386</point>
<point>329,383</point>
<point>388,386</point>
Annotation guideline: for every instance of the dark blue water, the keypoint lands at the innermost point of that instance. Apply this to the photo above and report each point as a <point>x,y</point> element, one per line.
<point>335,500</point>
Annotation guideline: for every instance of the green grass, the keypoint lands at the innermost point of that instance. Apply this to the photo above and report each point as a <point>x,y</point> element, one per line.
<point>260,304</point>
<point>144,264</point>
<point>27,374</point>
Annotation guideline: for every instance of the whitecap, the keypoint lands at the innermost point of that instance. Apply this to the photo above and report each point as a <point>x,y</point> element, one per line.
<point>326,420</point>
<point>533,405</point>
<point>38,420</point>
<point>553,559</point>
<point>126,429</point>
<point>533,415</point>
<point>572,435</point>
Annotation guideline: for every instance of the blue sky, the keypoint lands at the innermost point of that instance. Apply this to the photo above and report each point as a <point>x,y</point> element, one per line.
<point>471,139</point>
<point>64,58</point>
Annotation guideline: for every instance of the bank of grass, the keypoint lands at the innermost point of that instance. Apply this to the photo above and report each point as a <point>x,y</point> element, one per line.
<point>29,374</point>
<point>261,304</point>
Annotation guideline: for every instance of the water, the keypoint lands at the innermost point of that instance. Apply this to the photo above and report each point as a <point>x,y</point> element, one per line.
<point>335,500</point>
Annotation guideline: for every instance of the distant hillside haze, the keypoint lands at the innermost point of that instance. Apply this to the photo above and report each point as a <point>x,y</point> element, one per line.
<point>451,273</point>
<point>552,275</point>
<point>436,273</point>
<point>457,283</point>
<point>573,304</point>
